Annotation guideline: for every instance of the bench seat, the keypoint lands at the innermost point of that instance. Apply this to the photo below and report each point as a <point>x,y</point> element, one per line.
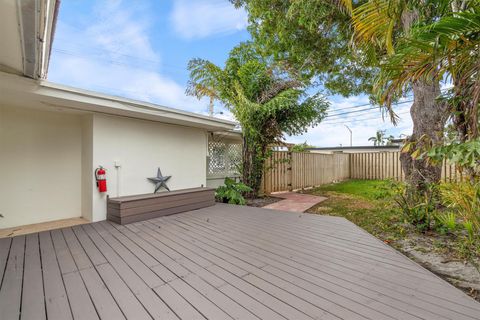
<point>128,209</point>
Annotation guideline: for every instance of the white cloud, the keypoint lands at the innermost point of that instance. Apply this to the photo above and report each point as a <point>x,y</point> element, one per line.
<point>203,18</point>
<point>113,54</point>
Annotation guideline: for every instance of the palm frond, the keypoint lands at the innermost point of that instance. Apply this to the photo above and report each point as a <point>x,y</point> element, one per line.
<point>375,21</point>
<point>450,46</point>
<point>205,78</point>
<point>345,5</point>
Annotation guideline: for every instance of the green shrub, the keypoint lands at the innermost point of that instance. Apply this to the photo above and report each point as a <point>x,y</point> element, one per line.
<point>232,192</point>
<point>446,222</point>
<point>464,198</point>
<point>418,208</point>
<point>470,247</point>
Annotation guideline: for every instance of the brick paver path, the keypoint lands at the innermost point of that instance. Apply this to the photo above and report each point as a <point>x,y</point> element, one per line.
<point>295,202</point>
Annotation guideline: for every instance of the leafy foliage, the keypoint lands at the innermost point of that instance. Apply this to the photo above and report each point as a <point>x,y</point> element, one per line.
<point>232,192</point>
<point>447,47</point>
<point>312,38</point>
<point>418,208</point>
<point>465,155</point>
<point>464,198</point>
<point>384,25</point>
<point>301,147</point>
<point>265,99</point>
<point>445,222</point>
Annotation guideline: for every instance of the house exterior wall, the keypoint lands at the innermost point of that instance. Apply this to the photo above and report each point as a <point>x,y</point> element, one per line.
<point>47,162</point>
<point>140,147</point>
<point>40,166</point>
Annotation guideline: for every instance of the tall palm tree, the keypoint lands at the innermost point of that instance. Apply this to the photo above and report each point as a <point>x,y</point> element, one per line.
<point>380,24</point>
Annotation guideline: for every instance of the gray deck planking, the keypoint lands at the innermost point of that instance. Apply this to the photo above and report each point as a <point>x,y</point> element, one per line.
<point>319,299</point>
<point>341,260</point>
<point>439,304</point>
<point>56,299</point>
<point>11,291</point>
<point>330,287</point>
<point>33,305</point>
<point>221,262</point>
<point>152,303</point>
<point>4,250</point>
<point>186,267</point>
<point>252,267</point>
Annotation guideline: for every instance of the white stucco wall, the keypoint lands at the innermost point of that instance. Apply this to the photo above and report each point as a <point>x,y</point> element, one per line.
<point>40,166</point>
<point>140,147</point>
<point>47,160</point>
<point>217,181</point>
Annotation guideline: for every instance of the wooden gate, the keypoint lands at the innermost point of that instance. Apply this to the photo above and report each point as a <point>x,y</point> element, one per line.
<point>296,170</point>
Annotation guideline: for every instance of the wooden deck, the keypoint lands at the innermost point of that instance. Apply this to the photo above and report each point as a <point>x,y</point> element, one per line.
<point>221,262</point>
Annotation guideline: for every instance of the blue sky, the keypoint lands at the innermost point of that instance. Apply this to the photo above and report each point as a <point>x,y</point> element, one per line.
<point>140,50</point>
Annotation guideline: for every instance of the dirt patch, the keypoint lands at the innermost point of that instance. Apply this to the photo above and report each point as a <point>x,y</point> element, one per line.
<point>425,250</point>
<point>262,202</point>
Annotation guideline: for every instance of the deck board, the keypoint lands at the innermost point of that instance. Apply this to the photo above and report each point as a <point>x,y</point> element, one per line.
<point>56,299</point>
<point>220,262</point>
<point>33,305</point>
<point>11,291</point>
<point>4,250</point>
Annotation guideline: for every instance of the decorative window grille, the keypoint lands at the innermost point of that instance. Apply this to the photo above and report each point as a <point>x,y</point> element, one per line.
<point>224,158</point>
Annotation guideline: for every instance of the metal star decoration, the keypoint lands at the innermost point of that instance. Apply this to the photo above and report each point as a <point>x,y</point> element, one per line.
<point>160,181</point>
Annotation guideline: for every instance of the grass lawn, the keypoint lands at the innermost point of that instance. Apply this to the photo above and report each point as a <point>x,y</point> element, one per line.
<point>370,205</point>
<point>367,203</point>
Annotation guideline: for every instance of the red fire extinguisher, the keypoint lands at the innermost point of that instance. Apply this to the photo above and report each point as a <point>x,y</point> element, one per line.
<point>100,176</point>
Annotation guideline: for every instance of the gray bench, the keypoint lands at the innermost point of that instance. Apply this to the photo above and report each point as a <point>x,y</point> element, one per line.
<point>141,207</point>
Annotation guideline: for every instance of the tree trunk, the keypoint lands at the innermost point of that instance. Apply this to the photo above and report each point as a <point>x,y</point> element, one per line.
<point>429,118</point>
<point>252,166</point>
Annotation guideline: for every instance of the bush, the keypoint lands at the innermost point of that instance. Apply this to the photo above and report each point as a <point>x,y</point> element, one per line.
<point>464,199</point>
<point>232,192</point>
<point>445,222</point>
<point>418,207</point>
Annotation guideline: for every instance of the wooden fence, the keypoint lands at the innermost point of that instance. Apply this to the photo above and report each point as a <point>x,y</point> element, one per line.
<point>386,165</point>
<point>292,170</point>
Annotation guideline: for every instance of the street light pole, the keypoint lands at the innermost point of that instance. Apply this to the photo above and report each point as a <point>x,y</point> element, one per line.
<point>351,134</point>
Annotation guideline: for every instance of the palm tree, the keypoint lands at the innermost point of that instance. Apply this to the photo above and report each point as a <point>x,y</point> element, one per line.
<point>377,138</point>
<point>449,48</point>
<point>380,139</point>
<point>378,26</point>
<point>265,100</point>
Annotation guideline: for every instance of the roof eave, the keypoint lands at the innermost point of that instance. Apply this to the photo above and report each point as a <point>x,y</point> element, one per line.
<point>58,96</point>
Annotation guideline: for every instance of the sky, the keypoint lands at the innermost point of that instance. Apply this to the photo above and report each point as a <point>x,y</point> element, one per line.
<point>140,50</point>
